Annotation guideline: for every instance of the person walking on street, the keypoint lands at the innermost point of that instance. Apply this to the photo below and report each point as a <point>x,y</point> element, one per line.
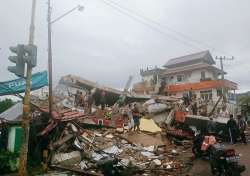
<point>232,127</point>
<point>136,118</point>
<point>242,128</point>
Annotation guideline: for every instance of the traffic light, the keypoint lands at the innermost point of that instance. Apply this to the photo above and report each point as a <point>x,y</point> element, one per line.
<point>18,60</point>
<point>30,56</point>
<point>24,54</point>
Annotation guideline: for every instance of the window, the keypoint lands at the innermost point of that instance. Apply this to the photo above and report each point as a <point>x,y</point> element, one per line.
<point>171,80</point>
<point>179,78</point>
<point>206,94</point>
<point>203,75</point>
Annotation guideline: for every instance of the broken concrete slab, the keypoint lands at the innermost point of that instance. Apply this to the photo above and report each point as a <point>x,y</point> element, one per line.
<point>149,125</point>
<point>67,158</point>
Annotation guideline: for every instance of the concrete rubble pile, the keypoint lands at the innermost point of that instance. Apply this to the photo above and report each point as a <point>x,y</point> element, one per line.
<point>99,142</point>
<point>88,144</point>
<point>110,152</point>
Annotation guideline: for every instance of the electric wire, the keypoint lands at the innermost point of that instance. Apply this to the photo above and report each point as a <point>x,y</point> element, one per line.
<point>140,14</point>
<point>150,26</point>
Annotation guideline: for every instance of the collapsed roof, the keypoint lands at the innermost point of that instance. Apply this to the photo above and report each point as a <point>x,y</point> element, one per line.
<point>14,113</point>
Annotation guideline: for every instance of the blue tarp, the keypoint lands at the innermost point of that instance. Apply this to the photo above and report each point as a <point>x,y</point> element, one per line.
<point>38,81</point>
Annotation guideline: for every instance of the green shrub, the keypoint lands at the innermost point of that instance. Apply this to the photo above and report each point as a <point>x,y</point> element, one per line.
<point>9,162</point>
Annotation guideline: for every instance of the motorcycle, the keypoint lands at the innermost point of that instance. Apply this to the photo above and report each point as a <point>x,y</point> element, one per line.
<point>202,144</point>
<point>225,162</point>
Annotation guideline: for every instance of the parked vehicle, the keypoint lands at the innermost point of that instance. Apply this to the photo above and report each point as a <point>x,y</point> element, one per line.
<point>225,162</point>
<point>202,144</point>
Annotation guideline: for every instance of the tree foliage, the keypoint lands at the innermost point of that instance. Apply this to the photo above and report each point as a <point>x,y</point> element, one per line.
<point>6,104</point>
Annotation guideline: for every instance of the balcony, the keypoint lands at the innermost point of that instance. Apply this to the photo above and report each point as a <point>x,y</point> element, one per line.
<point>208,84</point>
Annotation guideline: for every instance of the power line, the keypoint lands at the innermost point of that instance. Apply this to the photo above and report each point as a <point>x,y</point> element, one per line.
<point>139,14</point>
<point>149,25</point>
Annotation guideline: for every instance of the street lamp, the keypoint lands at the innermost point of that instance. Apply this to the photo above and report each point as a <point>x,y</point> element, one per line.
<point>50,22</point>
<point>78,7</point>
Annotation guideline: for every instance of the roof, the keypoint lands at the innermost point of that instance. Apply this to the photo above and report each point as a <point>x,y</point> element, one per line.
<point>14,113</point>
<point>203,56</point>
<point>190,68</point>
<point>78,82</point>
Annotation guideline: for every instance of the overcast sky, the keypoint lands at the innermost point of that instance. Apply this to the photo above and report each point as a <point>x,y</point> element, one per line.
<point>104,45</point>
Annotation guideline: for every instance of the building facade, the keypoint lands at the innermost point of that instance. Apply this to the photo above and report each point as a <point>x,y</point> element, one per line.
<point>195,72</point>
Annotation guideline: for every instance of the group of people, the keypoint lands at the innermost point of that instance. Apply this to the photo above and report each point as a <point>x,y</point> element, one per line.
<point>190,102</point>
<point>86,101</point>
<point>237,128</point>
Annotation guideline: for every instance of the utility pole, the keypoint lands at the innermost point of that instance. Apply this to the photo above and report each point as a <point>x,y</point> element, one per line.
<point>50,60</point>
<point>222,69</point>
<point>50,22</point>
<point>26,103</point>
<point>221,63</point>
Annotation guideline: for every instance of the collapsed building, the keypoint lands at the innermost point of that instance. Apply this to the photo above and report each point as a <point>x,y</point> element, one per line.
<point>100,143</point>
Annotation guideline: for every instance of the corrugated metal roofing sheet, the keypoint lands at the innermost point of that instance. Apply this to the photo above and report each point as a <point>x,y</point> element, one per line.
<point>14,113</point>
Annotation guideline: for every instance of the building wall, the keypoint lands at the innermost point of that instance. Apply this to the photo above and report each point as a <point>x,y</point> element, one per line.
<point>195,76</point>
<point>14,139</point>
<point>147,78</point>
<point>190,77</point>
<point>198,94</point>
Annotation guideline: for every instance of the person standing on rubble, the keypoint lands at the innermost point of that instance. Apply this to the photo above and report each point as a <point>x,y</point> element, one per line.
<point>194,107</point>
<point>130,118</point>
<point>224,112</point>
<point>103,100</point>
<point>77,98</point>
<point>190,95</point>
<point>233,130</point>
<point>185,99</point>
<point>90,102</point>
<point>136,117</point>
<point>242,128</point>
<point>81,100</point>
